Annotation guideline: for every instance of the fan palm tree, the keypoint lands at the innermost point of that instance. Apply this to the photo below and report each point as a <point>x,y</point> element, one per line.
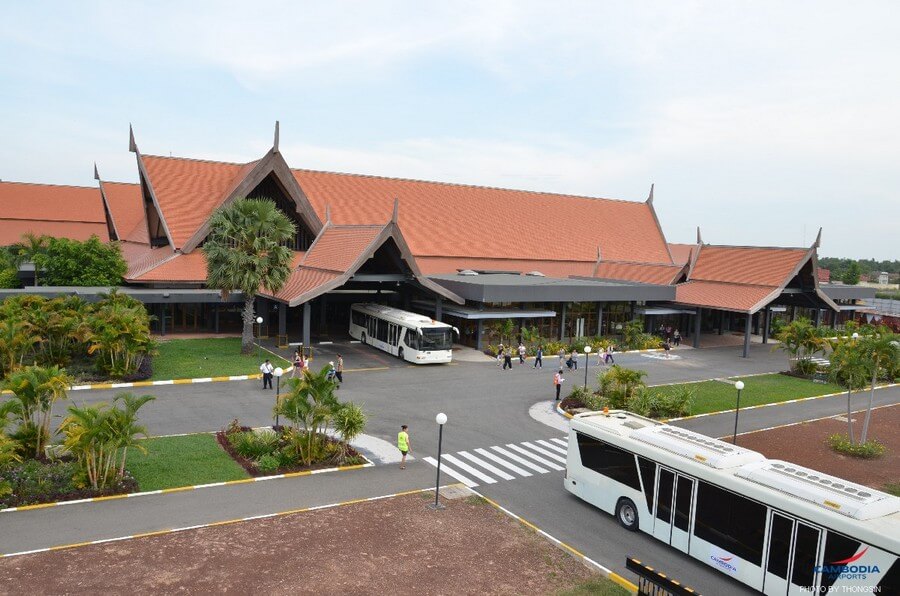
<point>882,352</point>
<point>245,251</point>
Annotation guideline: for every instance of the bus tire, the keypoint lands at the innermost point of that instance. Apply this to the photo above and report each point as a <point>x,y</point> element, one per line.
<point>627,514</point>
<point>400,353</point>
<point>362,338</point>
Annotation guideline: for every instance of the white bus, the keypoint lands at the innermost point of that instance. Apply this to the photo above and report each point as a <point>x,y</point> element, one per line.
<point>777,527</point>
<point>407,335</point>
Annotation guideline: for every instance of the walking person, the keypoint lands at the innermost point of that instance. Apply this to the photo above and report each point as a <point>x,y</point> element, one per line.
<point>403,445</point>
<point>539,357</point>
<point>609,354</point>
<point>562,357</point>
<point>667,346</point>
<point>574,359</point>
<point>677,336</point>
<point>558,380</point>
<point>522,352</point>
<point>339,371</point>
<point>298,364</point>
<point>267,370</point>
<point>499,354</point>
<point>330,375</point>
<point>507,359</point>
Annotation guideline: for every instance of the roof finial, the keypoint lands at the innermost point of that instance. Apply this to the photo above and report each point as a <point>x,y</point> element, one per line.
<point>132,146</point>
<point>275,144</point>
<point>818,241</point>
<point>96,172</point>
<point>650,198</point>
<point>395,215</point>
<point>699,237</point>
<point>599,255</point>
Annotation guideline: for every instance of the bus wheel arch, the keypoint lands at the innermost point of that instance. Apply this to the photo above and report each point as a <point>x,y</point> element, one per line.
<point>627,514</point>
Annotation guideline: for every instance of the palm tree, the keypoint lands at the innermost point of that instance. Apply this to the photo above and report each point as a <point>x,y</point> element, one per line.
<point>245,251</point>
<point>17,338</point>
<point>848,369</point>
<point>29,249</point>
<point>801,339</point>
<point>125,427</point>
<point>882,352</point>
<point>309,403</point>
<point>349,423</point>
<point>36,389</point>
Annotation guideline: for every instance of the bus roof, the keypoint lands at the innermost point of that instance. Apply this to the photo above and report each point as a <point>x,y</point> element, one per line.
<point>827,492</point>
<point>399,316</point>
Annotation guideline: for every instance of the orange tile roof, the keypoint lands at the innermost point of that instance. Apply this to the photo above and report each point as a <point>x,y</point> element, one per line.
<point>188,190</point>
<point>126,206</point>
<point>550,268</point>
<point>681,253</point>
<point>338,247</point>
<point>440,219</point>
<point>639,272</point>
<point>74,212</point>
<point>304,280</point>
<point>747,264</point>
<point>141,258</point>
<point>182,268</point>
<point>722,295</point>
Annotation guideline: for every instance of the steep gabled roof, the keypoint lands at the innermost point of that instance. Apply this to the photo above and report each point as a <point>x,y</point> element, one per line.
<point>455,220</point>
<point>681,253</point>
<point>640,272</point>
<point>126,207</point>
<point>74,212</point>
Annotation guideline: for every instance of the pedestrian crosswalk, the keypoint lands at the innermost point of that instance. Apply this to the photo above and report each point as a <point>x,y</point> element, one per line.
<point>504,462</point>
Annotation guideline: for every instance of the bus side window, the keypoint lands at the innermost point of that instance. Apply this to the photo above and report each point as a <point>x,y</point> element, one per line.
<point>411,339</point>
<point>730,521</point>
<point>603,458</point>
<point>648,477</point>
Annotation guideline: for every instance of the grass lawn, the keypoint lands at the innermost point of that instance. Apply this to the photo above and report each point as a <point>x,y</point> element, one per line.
<point>715,396</point>
<point>214,357</point>
<point>171,462</point>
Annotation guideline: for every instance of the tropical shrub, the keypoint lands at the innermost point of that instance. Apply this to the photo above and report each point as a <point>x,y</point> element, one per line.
<point>9,277</point>
<point>120,334</point>
<point>634,337</point>
<point>663,403</point>
<point>268,464</point>
<point>35,389</point>
<point>865,450</point>
<point>99,436</point>
<point>801,340</point>
<point>618,385</point>
<point>67,262</point>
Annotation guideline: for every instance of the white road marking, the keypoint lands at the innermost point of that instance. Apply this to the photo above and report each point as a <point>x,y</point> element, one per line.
<point>535,457</point>
<point>562,442</point>
<point>452,472</point>
<point>490,468</point>
<point>502,462</point>
<point>467,468</point>
<point>544,452</point>
<point>552,446</point>
<point>520,460</point>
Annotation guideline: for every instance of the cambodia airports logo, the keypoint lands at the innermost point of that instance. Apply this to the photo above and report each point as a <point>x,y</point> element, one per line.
<point>847,569</point>
<point>724,560</point>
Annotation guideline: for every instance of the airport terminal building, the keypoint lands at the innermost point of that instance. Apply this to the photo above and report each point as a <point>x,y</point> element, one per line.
<point>466,255</point>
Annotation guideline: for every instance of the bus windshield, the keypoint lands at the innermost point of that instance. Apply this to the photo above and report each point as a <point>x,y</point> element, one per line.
<point>436,339</point>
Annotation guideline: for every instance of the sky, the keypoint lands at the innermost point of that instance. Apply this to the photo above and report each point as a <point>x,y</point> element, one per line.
<point>759,122</point>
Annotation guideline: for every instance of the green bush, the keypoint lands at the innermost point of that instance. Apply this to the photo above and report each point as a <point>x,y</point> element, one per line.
<point>662,404</point>
<point>868,450</point>
<point>72,263</point>
<point>9,278</point>
<point>252,445</point>
<point>268,464</point>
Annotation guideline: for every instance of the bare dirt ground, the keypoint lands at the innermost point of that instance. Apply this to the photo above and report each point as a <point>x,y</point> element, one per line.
<point>805,444</point>
<point>390,546</point>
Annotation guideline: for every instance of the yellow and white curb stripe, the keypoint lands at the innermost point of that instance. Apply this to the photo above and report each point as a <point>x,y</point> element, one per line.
<point>213,524</point>
<point>777,403</point>
<point>609,573</point>
<point>180,489</point>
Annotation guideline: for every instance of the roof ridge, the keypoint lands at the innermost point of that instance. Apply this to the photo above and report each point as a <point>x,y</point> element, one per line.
<point>463,185</point>
<point>355,226</point>
<point>802,248</point>
<point>47,219</point>
<point>47,184</point>
<point>199,160</point>
<point>642,263</point>
<point>728,283</point>
<point>118,182</point>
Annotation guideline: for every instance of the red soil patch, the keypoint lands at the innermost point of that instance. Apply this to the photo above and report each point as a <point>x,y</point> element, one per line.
<point>806,444</point>
<point>390,546</point>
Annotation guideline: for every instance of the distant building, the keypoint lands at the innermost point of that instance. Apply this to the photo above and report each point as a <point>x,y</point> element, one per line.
<point>883,278</point>
<point>824,275</point>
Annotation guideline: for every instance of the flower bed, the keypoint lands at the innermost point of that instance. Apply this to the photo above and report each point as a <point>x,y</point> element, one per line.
<point>274,451</point>
<point>34,481</point>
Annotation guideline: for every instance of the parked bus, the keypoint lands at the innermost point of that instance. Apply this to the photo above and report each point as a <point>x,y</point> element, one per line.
<point>407,335</point>
<point>777,527</point>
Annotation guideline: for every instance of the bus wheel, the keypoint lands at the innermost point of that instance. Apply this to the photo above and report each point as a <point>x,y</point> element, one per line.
<point>400,353</point>
<point>362,338</point>
<point>627,514</point>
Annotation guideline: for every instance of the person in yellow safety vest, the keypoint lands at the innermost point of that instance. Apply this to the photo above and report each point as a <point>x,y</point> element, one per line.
<point>403,445</point>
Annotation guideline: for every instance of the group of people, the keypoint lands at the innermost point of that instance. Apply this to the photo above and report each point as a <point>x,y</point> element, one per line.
<point>671,337</point>
<point>569,361</point>
<point>335,371</point>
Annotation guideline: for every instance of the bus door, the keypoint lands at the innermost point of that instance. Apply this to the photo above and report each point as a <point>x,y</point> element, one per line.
<point>792,556</point>
<point>665,491</point>
<point>674,501</point>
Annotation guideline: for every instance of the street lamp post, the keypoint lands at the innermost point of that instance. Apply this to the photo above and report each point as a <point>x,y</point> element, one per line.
<point>441,419</point>
<point>277,372</point>
<point>259,321</point>
<point>739,386</point>
<point>587,358</point>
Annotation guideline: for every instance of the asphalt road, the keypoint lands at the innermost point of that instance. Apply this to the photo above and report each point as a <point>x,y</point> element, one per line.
<point>486,408</point>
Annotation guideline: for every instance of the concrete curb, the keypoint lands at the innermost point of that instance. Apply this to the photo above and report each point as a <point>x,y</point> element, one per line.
<point>220,523</point>
<point>563,412</point>
<point>163,491</point>
<point>777,426</point>
<point>609,573</point>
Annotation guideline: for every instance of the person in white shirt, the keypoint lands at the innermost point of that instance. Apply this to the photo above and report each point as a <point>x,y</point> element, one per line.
<point>522,352</point>
<point>558,380</point>
<point>267,369</point>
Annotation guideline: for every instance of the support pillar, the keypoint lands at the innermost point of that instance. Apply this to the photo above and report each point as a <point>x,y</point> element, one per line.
<point>766,322</point>
<point>438,308</point>
<point>323,305</point>
<point>599,319</point>
<point>282,340</point>
<point>817,318</point>
<point>697,318</point>
<point>218,307</point>
<point>162,319</point>
<point>721,321</point>
<point>306,317</point>
<point>479,329</point>
<point>747,328</point>
<point>562,322</point>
